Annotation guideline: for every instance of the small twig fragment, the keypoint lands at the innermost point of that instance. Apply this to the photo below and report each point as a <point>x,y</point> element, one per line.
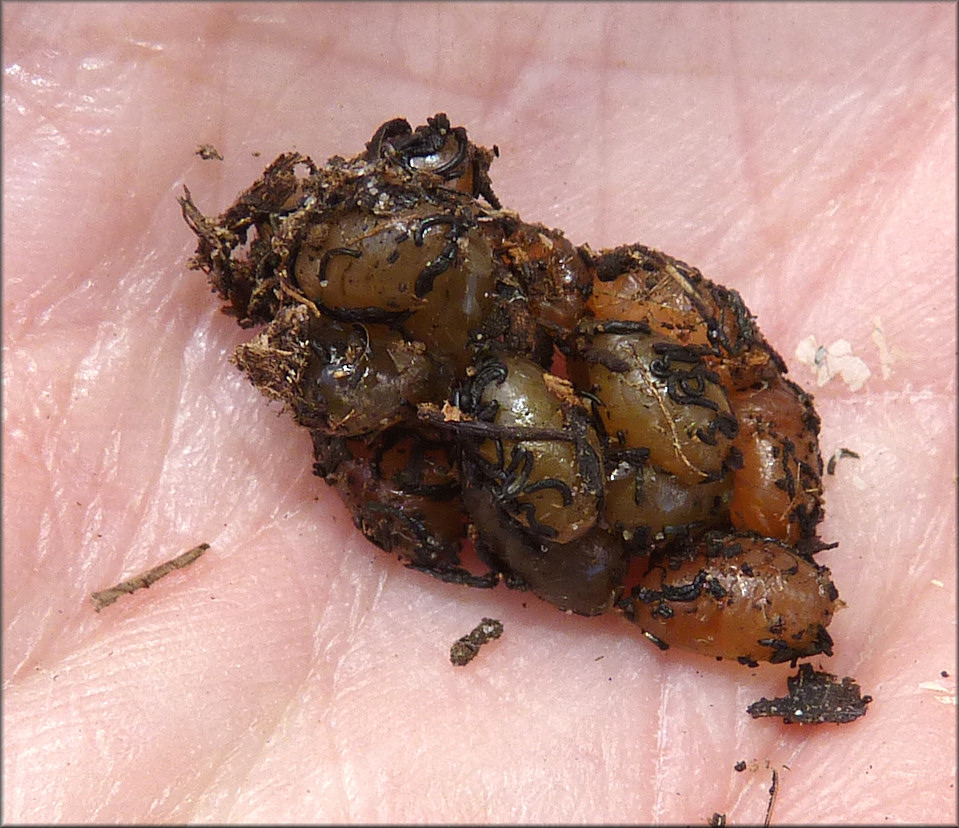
<point>773,790</point>
<point>105,597</point>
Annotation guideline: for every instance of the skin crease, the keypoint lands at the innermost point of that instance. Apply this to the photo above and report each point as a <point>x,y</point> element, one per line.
<point>802,155</point>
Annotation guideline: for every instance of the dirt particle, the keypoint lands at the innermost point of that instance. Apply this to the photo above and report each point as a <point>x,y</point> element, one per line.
<point>465,649</point>
<point>814,697</point>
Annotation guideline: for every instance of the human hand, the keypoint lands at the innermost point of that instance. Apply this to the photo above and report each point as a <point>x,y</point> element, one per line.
<point>295,673</point>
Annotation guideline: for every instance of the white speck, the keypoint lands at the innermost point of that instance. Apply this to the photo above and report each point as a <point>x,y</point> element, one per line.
<point>93,63</point>
<point>949,695</point>
<point>143,44</point>
<point>828,361</point>
<point>887,355</point>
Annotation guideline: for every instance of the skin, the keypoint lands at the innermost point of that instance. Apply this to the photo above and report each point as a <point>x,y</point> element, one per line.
<point>802,155</point>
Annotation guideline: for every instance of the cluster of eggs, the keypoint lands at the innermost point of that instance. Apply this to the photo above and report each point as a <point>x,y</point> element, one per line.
<point>609,430</point>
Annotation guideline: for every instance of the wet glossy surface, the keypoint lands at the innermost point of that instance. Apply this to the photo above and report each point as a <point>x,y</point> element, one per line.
<point>608,430</point>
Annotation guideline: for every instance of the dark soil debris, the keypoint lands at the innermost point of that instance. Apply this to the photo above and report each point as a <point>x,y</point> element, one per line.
<point>208,152</point>
<point>815,697</point>
<point>841,454</point>
<point>467,647</point>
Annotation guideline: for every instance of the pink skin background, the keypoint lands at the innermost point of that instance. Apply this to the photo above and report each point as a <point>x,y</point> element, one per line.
<point>804,155</point>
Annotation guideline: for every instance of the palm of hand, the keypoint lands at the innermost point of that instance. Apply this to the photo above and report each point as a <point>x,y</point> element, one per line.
<point>295,672</point>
